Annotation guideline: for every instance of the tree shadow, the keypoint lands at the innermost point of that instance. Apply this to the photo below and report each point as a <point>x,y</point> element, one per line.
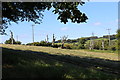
<point>40,65</point>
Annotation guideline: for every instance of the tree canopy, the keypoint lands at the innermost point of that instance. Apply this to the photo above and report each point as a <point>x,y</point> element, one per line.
<point>33,11</point>
<point>118,34</point>
<point>118,38</point>
<point>14,42</point>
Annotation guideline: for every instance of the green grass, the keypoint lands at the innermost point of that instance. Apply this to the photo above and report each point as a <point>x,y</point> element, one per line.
<point>103,51</point>
<point>101,39</point>
<point>43,62</point>
<point>50,50</point>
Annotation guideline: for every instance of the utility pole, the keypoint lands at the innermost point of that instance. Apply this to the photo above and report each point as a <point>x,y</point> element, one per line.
<point>92,34</point>
<point>53,39</point>
<point>11,36</point>
<point>47,39</point>
<point>33,33</point>
<point>17,37</point>
<point>109,35</point>
<point>92,42</point>
<point>103,44</point>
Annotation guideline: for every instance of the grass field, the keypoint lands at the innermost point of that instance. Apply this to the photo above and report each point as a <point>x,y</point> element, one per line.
<point>20,61</point>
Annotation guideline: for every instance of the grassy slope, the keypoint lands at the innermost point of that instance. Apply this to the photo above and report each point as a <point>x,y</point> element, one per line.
<point>45,62</point>
<point>50,50</point>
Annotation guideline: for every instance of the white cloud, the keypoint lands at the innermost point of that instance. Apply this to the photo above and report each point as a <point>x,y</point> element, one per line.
<point>64,28</point>
<point>97,23</point>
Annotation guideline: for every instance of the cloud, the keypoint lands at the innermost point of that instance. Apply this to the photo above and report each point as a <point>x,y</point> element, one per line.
<point>64,28</point>
<point>96,23</point>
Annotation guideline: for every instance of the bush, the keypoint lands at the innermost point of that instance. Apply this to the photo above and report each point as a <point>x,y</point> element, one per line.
<point>36,44</point>
<point>10,41</point>
<point>81,46</point>
<point>113,48</point>
<point>87,45</point>
<point>29,44</point>
<point>18,42</point>
<point>75,46</point>
<point>97,44</point>
<point>43,43</point>
<point>55,46</point>
<point>68,46</point>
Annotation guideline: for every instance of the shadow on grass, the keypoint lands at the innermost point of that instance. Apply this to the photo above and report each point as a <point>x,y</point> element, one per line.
<point>31,64</point>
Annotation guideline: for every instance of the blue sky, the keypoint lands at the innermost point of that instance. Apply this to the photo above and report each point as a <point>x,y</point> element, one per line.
<point>101,16</point>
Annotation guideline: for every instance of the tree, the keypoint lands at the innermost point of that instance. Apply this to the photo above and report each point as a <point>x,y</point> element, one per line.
<point>82,43</point>
<point>11,36</point>
<point>63,39</point>
<point>33,11</point>
<point>118,34</point>
<point>18,42</point>
<point>82,40</point>
<point>118,39</point>
<point>10,41</point>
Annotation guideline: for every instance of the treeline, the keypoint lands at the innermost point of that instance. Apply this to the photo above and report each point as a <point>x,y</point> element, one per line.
<point>94,42</point>
<point>12,41</point>
<point>112,37</point>
<point>99,44</point>
<point>44,43</point>
<point>82,43</point>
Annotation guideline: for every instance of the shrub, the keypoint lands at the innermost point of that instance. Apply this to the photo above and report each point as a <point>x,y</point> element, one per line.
<point>68,46</point>
<point>29,44</point>
<point>43,43</point>
<point>87,45</point>
<point>18,42</point>
<point>97,44</point>
<point>56,45</point>
<point>10,41</point>
<point>81,46</point>
<point>113,48</point>
<point>36,44</point>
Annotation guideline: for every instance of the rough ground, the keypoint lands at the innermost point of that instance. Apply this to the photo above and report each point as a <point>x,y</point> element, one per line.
<point>107,63</point>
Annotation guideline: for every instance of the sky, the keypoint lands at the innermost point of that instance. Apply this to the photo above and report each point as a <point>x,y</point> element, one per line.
<point>101,16</point>
<point>60,0</point>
